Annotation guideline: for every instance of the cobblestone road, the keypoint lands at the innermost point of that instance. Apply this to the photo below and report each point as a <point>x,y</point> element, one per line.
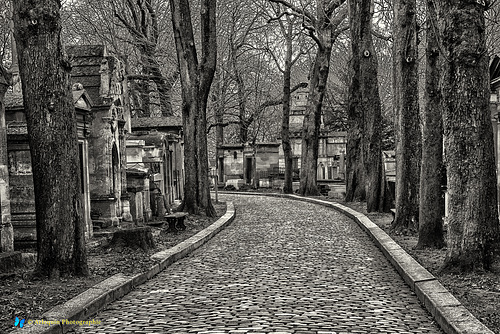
<point>282,266</point>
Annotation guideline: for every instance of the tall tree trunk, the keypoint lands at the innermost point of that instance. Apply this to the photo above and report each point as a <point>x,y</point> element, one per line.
<point>365,110</point>
<point>355,173</point>
<point>164,86</point>
<point>285,121</point>
<point>430,231</point>
<point>145,100</point>
<point>242,105</point>
<point>51,121</point>
<point>219,129</point>
<point>324,28</point>
<point>408,142</point>
<point>312,118</point>
<point>473,227</point>
<point>196,79</point>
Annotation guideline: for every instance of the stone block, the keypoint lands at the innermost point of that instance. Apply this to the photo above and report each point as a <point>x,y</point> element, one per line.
<point>237,183</point>
<point>434,296</point>
<point>264,183</point>
<point>278,184</point>
<point>336,193</point>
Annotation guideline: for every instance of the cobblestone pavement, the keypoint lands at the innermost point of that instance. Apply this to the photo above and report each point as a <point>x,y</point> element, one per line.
<point>282,266</point>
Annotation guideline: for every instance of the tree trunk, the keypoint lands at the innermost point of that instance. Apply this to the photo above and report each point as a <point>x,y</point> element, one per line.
<point>355,174</point>
<point>365,111</point>
<point>408,143</point>
<point>312,118</point>
<point>430,231</point>
<point>244,123</point>
<point>285,121</point>
<point>473,227</point>
<point>51,121</point>
<point>135,238</point>
<point>196,79</point>
<point>324,30</point>
<point>219,133</point>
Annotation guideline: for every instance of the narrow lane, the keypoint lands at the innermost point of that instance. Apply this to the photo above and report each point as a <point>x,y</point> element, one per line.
<point>282,266</point>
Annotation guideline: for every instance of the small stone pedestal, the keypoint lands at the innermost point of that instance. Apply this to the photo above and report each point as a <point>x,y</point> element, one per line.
<point>176,221</point>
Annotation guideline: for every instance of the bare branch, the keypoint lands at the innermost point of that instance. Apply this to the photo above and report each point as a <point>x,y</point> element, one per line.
<point>223,124</point>
<point>380,35</point>
<point>333,6</point>
<point>278,18</point>
<point>303,12</point>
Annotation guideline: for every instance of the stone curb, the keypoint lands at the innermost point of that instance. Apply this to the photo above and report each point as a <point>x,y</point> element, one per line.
<point>447,311</point>
<point>97,297</point>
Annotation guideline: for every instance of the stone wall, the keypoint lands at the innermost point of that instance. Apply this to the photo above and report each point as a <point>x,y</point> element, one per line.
<point>233,162</point>
<point>6,229</point>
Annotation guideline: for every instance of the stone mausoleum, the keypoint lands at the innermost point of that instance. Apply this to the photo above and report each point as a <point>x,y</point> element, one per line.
<point>22,196</point>
<point>263,164</point>
<point>104,79</point>
<point>114,189</point>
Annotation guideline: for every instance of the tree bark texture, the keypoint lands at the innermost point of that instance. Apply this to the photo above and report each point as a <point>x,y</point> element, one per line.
<point>473,227</point>
<point>51,121</point>
<point>431,209</point>
<point>242,101</point>
<point>312,117</point>
<point>355,174</point>
<point>408,137</point>
<point>365,116</point>
<point>329,16</point>
<point>285,121</point>
<point>219,130</point>
<point>196,79</point>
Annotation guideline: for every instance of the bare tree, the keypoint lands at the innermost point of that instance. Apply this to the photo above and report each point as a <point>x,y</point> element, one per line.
<point>5,33</point>
<point>285,56</point>
<point>430,230</point>
<point>408,142</point>
<point>492,17</point>
<point>136,32</point>
<point>365,175</point>
<point>323,28</point>
<point>141,21</point>
<point>196,78</point>
<point>473,227</point>
<point>51,121</point>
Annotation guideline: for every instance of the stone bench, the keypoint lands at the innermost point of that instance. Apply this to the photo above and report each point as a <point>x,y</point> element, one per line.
<point>176,221</point>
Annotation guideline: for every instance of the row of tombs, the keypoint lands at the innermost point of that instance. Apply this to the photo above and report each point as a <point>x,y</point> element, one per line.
<point>131,168</point>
